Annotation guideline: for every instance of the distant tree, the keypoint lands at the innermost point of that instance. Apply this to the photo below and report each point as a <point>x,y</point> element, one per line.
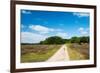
<point>74,40</point>
<point>84,39</point>
<point>41,42</point>
<point>53,40</point>
<point>59,40</point>
<point>66,40</point>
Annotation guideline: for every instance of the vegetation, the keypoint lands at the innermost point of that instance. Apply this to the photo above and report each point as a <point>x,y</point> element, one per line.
<point>53,40</point>
<point>59,40</point>
<point>75,40</point>
<point>37,53</point>
<point>78,51</point>
<point>84,39</point>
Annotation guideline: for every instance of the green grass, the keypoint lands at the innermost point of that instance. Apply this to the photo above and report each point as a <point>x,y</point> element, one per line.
<point>38,53</point>
<point>74,54</point>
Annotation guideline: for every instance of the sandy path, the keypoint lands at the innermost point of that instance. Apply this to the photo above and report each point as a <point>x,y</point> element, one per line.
<point>60,55</point>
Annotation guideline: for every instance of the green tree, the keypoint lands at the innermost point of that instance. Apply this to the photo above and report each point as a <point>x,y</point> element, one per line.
<point>53,40</point>
<point>66,40</point>
<point>74,40</point>
<point>84,39</point>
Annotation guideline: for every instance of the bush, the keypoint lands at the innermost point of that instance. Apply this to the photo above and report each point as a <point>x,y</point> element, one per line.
<point>75,40</point>
<point>84,39</point>
<point>59,40</point>
<point>53,40</point>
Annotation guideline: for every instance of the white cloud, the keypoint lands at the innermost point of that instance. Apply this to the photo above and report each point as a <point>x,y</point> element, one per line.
<point>26,12</point>
<point>83,31</point>
<point>62,34</point>
<point>29,37</point>
<point>43,29</point>
<point>81,14</point>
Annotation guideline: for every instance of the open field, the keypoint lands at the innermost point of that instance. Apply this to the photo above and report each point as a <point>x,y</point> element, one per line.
<point>37,53</point>
<point>78,52</point>
<point>41,53</point>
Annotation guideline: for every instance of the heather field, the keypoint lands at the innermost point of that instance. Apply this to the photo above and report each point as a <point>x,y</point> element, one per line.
<point>78,51</point>
<point>41,53</point>
<point>37,53</point>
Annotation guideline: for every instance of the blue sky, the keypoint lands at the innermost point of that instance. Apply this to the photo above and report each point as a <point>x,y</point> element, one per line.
<point>38,25</point>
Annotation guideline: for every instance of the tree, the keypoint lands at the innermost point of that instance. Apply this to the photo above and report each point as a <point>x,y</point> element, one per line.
<point>66,40</point>
<point>53,40</point>
<point>59,40</point>
<point>84,39</point>
<point>74,40</point>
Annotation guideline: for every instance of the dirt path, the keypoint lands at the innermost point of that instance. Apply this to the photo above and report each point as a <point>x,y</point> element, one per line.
<point>60,55</point>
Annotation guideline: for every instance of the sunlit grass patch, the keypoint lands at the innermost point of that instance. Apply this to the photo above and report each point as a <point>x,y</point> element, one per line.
<point>76,53</point>
<point>37,53</point>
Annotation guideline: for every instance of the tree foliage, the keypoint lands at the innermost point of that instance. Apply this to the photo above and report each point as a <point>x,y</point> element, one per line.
<point>59,40</point>
<point>53,40</point>
<point>84,39</point>
<point>75,40</point>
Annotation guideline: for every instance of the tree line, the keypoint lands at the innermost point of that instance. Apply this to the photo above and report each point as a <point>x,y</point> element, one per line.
<point>59,40</point>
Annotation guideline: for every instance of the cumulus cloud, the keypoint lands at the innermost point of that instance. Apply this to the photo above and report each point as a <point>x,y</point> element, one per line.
<point>29,37</point>
<point>83,31</point>
<point>42,29</point>
<point>26,12</point>
<point>80,14</point>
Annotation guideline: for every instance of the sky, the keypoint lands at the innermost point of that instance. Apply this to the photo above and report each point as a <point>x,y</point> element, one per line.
<point>36,26</point>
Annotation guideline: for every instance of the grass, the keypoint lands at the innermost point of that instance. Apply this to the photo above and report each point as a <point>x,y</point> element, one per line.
<point>37,53</point>
<point>78,52</point>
